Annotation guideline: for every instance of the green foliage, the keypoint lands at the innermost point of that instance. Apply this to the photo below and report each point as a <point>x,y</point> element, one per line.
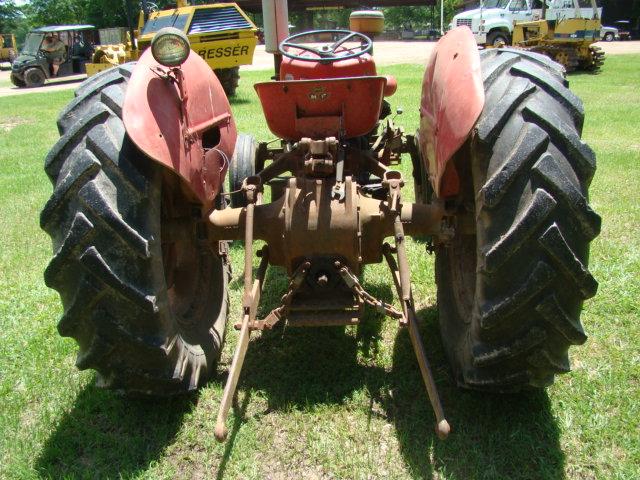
<point>613,10</point>
<point>9,15</point>
<point>418,17</point>
<point>101,13</point>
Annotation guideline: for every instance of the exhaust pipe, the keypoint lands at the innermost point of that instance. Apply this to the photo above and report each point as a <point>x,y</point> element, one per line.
<point>275,16</point>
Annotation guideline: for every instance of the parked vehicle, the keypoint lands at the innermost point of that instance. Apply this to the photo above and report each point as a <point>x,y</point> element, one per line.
<point>567,40</point>
<point>608,34</point>
<point>624,29</point>
<point>492,23</point>
<point>8,48</point>
<point>221,33</point>
<point>35,65</point>
<point>140,222</point>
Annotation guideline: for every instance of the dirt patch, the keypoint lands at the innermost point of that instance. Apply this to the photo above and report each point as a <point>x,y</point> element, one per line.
<point>10,123</point>
<point>66,83</point>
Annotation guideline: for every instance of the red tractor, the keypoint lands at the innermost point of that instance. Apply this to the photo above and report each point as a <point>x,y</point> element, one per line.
<point>140,220</point>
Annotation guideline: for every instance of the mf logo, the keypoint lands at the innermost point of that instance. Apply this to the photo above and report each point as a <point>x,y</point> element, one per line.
<point>318,94</point>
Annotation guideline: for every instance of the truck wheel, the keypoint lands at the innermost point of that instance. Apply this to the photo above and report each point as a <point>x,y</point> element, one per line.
<point>17,82</point>
<point>511,287</point>
<point>498,38</point>
<point>608,37</point>
<point>229,78</point>
<point>34,77</point>
<point>144,294</point>
<point>243,165</point>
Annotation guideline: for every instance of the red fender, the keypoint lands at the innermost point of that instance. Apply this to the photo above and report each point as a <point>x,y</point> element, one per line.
<point>452,100</point>
<point>154,120</point>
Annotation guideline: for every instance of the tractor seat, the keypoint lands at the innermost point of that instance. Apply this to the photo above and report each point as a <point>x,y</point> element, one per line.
<point>336,107</point>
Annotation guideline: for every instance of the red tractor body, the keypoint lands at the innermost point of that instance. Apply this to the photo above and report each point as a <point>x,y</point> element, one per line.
<point>452,99</point>
<point>185,125</point>
<point>317,109</point>
<point>500,175</point>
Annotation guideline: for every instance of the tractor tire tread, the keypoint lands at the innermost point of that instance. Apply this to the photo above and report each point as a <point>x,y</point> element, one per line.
<point>531,175</point>
<point>242,165</point>
<point>104,250</point>
<point>229,79</point>
<point>88,89</point>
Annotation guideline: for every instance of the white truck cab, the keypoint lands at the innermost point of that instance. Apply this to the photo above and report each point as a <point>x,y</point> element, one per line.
<point>492,23</point>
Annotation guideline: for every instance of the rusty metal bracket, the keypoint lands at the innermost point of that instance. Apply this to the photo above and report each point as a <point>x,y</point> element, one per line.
<point>400,270</point>
<point>251,298</point>
<point>278,313</point>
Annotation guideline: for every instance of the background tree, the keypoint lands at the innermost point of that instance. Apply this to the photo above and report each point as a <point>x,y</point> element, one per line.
<point>9,15</point>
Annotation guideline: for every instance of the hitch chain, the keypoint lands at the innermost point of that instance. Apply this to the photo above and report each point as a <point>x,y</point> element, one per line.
<point>354,284</point>
<point>279,312</point>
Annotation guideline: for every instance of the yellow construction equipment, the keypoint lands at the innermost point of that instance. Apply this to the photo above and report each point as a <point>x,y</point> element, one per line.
<point>8,50</point>
<point>569,41</point>
<point>115,49</point>
<point>221,33</point>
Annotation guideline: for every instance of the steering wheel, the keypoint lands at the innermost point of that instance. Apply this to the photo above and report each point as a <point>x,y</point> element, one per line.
<point>330,52</point>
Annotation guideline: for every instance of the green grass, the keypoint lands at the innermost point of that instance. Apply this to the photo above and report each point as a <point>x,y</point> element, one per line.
<point>326,403</point>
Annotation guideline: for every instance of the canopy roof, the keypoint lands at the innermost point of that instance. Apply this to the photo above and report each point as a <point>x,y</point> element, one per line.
<point>296,5</point>
<point>62,28</point>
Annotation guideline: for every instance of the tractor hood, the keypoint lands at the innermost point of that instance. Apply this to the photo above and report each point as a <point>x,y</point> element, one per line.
<point>478,13</point>
<point>22,61</point>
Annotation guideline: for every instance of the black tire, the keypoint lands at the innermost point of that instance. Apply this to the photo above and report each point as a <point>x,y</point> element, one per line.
<point>510,296</point>
<point>229,78</point>
<point>34,77</point>
<point>496,38</point>
<point>16,81</point>
<point>145,300</point>
<point>609,37</point>
<point>243,165</point>
<point>422,187</point>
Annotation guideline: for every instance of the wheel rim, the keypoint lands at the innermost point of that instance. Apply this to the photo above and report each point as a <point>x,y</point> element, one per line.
<point>462,264</point>
<point>188,262</point>
<point>498,41</point>
<point>34,77</point>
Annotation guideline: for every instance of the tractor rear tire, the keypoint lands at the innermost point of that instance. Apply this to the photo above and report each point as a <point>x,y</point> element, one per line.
<point>229,78</point>
<point>144,293</point>
<point>17,82</point>
<point>510,295</point>
<point>243,165</point>
<point>34,77</point>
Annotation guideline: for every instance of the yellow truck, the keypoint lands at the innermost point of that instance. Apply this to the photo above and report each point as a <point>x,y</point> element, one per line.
<point>221,33</point>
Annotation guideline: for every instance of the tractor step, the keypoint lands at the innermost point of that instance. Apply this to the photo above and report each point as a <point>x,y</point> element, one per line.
<point>334,307</point>
<point>323,319</point>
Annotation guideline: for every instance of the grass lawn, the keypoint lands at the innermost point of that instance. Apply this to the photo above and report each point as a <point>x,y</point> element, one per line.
<point>326,403</point>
